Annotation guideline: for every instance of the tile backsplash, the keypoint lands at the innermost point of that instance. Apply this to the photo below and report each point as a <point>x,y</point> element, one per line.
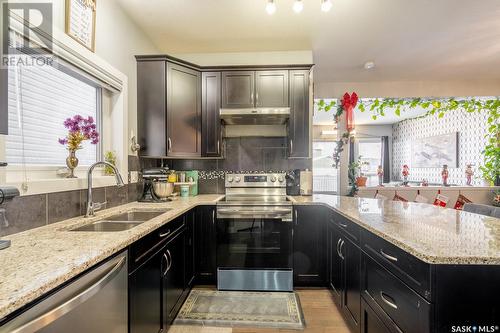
<point>245,154</point>
<point>31,211</point>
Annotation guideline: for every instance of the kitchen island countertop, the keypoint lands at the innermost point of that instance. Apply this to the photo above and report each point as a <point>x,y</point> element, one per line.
<point>433,234</point>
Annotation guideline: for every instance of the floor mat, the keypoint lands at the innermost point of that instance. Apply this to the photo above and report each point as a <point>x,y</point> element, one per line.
<point>249,309</point>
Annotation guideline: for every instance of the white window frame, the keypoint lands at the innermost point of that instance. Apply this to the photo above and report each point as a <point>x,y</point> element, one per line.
<point>114,110</point>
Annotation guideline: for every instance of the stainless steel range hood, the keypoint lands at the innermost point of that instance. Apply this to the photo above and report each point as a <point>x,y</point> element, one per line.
<point>255,116</point>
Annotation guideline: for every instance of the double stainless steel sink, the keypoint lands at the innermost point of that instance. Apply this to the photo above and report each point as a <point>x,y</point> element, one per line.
<point>122,221</point>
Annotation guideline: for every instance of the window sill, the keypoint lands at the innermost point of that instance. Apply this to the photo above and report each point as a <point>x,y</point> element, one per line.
<point>41,186</point>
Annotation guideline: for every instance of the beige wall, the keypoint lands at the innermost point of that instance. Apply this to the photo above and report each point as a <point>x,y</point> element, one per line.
<point>248,58</point>
<point>408,88</point>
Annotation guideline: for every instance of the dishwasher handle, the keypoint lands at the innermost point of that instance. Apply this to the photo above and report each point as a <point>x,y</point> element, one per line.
<point>60,310</point>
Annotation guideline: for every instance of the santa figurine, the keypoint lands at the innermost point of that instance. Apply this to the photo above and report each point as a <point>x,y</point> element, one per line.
<point>406,173</point>
<point>380,174</point>
<point>444,175</point>
<point>469,173</point>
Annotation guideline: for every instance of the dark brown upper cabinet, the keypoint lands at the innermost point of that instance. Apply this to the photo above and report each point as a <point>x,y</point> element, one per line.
<point>168,108</point>
<point>248,89</point>
<point>152,107</point>
<point>211,143</point>
<point>300,118</point>
<point>271,89</point>
<point>183,111</point>
<point>238,89</point>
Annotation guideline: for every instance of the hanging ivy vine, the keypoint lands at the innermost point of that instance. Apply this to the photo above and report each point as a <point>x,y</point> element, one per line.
<point>378,107</point>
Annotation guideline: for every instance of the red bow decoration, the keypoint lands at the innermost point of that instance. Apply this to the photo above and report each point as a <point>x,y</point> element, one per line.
<point>349,102</point>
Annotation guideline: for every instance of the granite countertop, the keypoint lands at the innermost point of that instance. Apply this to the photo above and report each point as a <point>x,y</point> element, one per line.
<point>42,259</point>
<point>433,234</point>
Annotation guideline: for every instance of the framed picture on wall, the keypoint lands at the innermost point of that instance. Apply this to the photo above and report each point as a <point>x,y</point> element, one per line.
<point>435,151</point>
<point>80,21</point>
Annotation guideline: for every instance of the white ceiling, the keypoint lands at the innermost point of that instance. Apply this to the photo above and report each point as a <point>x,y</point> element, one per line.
<point>407,39</point>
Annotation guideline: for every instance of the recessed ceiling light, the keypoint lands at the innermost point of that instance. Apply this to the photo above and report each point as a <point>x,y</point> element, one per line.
<point>326,5</point>
<point>298,5</point>
<point>271,7</point>
<point>369,65</point>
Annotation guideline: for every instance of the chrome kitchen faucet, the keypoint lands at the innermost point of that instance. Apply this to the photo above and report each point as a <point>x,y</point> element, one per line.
<point>93,206</point>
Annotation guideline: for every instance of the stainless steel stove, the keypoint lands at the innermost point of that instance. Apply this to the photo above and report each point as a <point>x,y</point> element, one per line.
<point>254,234</point>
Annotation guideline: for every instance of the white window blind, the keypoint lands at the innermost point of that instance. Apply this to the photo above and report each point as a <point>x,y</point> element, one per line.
<point>46,96</point>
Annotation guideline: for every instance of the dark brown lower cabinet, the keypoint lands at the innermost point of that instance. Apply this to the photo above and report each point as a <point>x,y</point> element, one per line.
<point>344,274</point>
<point>205,245</point>
<point>370,321</point>
<point>172,278</point>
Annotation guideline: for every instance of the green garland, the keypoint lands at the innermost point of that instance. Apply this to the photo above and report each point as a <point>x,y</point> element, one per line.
<point>435,106</point>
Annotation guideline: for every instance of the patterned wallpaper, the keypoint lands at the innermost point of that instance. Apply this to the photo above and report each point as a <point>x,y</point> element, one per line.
<point>471,128</point>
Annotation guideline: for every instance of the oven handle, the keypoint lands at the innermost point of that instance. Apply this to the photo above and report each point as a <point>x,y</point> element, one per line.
<point>249,212</point>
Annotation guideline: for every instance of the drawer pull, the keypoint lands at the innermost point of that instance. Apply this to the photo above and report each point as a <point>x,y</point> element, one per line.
<point>391,258</point>
<point>343,225</point>
<point>165,234</point>
<point>388,300</point>
<point>338,250</point>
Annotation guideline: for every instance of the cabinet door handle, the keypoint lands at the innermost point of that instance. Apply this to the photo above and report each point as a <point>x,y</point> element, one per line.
<point>218,147</point>
<point>391,258</point>
<point>388,300</point>
<point>341,245</point>
<point>213,217</point>
<point>338,249</point>
<point>291,147</point>
<point>169,148</point>
<point>296,217</point>
<point>252,101</point>
<point>257,99</point>
<point>168,264</point>
<point>169,260</point>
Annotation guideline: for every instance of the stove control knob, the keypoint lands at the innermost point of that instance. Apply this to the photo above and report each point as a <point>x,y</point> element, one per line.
<point>281,179</point>
<point>230,179</point>
<point>237,179</point>
<point>273,178</point>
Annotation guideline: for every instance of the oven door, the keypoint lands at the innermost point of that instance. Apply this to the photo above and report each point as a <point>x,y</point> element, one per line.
<point>254,241</point>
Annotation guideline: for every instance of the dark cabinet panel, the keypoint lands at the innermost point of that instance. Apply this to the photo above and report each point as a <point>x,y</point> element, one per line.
<point>334,264</point>
<point>189,241</point>
<point>173,277</point>
<point>299,123</point>
<point>211,123</point>
<point>145,296</point>
<point>238,89</point>
<point>351,255</point>
<point>271,89</point>
<point>308,246</point>
<point>183,111</point>
<point>370,322</point>
<point>205,245</point>
<point>152,108</point>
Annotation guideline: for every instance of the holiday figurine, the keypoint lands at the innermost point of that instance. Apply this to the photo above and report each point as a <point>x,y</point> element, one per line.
<point>469,173</point>
<point>405,172</point>
<point>444,175</point>
<point>380,174</point>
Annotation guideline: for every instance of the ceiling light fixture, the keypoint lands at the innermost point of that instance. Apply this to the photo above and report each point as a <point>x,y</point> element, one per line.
<point>369,65</point>
<point>298,6</point>
<point>271,7</point>
<point>326,5</point>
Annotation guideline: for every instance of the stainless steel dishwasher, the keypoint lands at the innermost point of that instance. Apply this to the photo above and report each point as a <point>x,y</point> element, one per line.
<point>95,302</point>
